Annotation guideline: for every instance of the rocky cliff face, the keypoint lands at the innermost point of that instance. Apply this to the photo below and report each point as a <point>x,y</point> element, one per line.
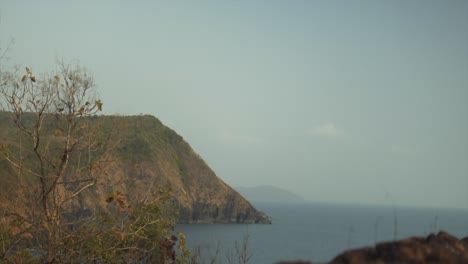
<point>146,156</point>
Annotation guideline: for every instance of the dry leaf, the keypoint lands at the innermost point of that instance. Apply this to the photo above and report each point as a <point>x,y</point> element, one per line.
<point>99,105</point>
<point>15,230</point>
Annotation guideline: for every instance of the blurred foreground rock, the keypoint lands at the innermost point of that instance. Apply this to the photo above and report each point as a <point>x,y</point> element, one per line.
<point>440,248</point>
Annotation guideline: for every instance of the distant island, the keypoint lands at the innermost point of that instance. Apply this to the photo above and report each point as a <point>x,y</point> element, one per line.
<point>269,194</point>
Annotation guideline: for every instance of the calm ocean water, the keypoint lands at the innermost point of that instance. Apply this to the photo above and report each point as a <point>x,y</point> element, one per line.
<point>318,232</point>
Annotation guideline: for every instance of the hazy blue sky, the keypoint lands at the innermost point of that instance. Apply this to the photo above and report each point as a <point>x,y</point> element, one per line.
<point>340,101</point>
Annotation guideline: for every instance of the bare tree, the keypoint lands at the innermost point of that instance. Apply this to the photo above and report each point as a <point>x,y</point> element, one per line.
<point>52,114</point>
<point>59,154</point>
<point>242,251</point>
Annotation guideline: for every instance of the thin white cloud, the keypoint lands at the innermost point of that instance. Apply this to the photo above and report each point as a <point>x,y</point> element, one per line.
<point>327,130</point>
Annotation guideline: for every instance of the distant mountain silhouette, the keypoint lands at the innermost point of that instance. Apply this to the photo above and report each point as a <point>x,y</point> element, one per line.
<point>267,193</point>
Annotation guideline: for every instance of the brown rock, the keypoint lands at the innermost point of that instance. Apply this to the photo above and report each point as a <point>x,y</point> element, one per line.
<point>440,248</point>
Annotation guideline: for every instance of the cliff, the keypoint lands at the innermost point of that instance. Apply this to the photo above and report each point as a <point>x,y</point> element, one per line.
<point>144,156</point>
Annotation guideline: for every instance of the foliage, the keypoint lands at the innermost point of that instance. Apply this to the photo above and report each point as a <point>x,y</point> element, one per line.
<point>240,255</point>
<point>125,234</point>
<point>63,100</point>
<point>57,162</point>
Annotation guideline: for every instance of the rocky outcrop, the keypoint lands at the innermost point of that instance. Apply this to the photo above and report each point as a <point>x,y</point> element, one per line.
<point>440,248</point>
<point>144,157</point>
<point>433,249</point>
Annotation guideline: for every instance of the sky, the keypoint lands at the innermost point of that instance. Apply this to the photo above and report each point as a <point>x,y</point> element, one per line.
<point>338,101</point>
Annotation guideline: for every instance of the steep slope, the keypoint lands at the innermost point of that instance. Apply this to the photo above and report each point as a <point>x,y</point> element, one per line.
<point>148,155</point>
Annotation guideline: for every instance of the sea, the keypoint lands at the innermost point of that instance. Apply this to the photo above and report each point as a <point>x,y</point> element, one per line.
<point>317,232</point>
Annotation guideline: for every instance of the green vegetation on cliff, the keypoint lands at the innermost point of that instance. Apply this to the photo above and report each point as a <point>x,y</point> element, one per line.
<point>78,187</point>
<point>144,156</point>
